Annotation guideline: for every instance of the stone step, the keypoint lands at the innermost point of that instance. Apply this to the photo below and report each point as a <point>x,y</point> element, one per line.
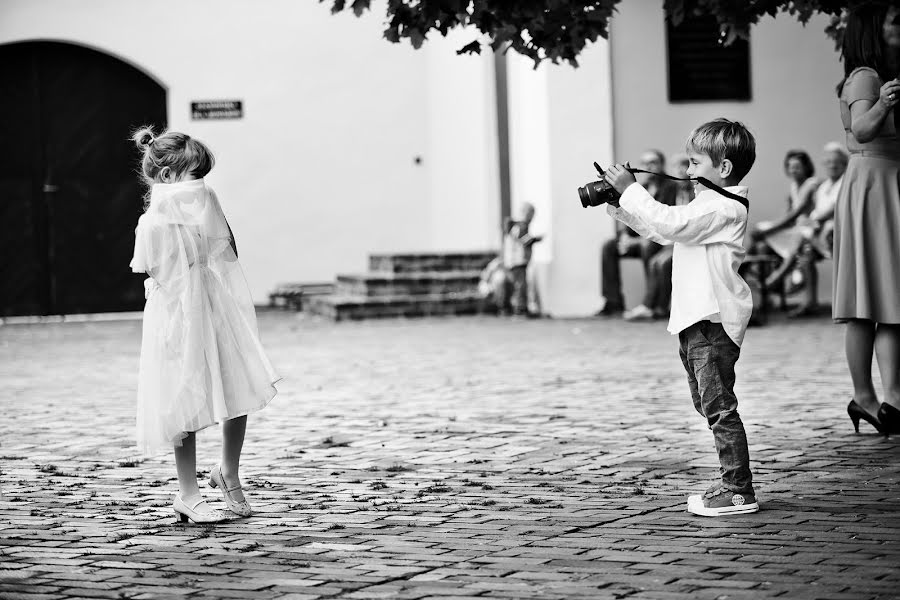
<point>407,284</point>
<point>342,307</point>
<point>428,262</point>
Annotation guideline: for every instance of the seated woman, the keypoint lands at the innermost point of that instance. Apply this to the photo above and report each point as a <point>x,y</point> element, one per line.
<point>817,230</point>
<point>802,239</point>
<point>781,237</point>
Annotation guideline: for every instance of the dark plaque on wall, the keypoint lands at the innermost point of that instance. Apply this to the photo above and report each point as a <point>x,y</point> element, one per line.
<point>217,109</point>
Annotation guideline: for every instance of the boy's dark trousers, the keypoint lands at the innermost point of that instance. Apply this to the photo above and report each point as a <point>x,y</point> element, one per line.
<point>709,356</point>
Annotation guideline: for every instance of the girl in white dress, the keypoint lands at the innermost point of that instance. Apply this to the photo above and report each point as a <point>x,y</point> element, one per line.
<point>201,359</point>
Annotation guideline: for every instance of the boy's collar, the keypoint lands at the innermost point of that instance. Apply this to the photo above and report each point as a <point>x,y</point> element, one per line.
<point>740,190</point>
<point>737,190</point>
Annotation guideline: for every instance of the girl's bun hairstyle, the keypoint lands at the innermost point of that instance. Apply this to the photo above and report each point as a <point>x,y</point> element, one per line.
<point>143,137</point>
<point>181,153</point>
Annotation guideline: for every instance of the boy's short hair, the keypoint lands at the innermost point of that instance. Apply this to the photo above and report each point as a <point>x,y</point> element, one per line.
<point>720,139</point>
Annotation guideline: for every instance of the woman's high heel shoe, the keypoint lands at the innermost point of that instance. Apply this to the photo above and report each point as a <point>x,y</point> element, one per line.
<point>188,512</point>
<point>857,412</point>
<point>216,480</point>
<point>889,417</point>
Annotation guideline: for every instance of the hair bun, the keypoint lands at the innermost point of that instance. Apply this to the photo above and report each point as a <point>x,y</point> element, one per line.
<point>143,137</point>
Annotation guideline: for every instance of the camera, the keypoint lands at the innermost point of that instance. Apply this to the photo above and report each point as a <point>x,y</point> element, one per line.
<point>597,192</point>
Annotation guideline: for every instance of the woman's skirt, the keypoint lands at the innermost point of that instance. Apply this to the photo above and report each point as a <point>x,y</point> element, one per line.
<point>867,241</point>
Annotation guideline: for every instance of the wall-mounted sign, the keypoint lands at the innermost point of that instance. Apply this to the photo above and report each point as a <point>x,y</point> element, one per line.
<point>217,109</point>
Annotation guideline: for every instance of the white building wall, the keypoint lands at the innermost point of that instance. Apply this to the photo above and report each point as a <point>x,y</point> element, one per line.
<point>321,170</point>
<point>463,165</point>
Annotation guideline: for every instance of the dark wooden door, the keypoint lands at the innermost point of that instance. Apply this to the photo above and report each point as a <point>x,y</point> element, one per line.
<point>69,192</point>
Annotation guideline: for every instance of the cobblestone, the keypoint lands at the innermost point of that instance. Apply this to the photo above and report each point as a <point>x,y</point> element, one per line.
<point>449,458</point>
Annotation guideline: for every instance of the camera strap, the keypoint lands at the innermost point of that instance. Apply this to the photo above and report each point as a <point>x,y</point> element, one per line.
<point>702,180</point>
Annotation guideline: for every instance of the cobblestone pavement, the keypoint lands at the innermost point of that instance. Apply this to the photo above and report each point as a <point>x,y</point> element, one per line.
<point>449,458</point>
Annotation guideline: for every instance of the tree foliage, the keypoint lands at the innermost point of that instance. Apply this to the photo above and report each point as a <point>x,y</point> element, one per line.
<point>559,30</point>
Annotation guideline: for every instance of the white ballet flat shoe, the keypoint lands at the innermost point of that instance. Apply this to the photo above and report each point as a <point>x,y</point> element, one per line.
<point>216,480</point>
<point>188,512</point>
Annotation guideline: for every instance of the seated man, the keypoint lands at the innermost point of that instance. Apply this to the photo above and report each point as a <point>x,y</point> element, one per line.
<point>627,243</point>
<point>659,271</point>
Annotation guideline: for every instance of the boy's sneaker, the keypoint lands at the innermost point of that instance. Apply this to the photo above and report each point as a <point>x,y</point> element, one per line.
<point>719,501</point>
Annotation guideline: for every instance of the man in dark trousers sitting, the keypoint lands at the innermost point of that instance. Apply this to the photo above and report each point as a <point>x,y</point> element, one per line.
<point>629,244</point>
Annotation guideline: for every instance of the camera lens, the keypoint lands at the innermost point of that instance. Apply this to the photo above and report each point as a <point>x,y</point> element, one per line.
<point>584,196</point>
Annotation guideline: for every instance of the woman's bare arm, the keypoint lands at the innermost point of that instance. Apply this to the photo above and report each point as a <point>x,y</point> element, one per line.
<point>867,116</point>
<point>806,201</point>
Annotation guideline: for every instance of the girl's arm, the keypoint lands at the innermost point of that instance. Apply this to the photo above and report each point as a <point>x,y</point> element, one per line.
<point>232,240</point>
<point>221,213</point>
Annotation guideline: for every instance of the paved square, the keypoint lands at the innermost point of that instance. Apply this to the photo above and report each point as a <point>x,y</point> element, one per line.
<point>449,458</point>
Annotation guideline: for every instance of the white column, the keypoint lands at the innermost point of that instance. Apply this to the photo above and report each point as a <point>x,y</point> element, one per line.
<point>560,122</point>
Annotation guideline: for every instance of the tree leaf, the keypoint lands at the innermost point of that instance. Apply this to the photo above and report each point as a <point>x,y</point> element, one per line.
<point>559,30</point>
<point>470,48</point>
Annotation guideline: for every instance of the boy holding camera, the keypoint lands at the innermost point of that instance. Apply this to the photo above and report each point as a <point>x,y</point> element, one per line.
<point>711,303</point>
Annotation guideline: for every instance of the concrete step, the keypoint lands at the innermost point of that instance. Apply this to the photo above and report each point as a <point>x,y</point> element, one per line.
<point>428,262</point>
<point>407,284</point>
<point>341,307</point>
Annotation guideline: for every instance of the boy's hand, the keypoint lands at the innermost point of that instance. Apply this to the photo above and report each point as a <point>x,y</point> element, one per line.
<point>619,177</point>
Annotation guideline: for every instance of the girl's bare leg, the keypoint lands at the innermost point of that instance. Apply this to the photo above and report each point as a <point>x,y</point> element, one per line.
<point>232,443</point>
<point>887,350</point>
<point>859,344</point>
<point>186,467</point>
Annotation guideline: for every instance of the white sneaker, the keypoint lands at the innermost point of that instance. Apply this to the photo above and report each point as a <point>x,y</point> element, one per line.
<point>722,503</point>
<point>639,313</point>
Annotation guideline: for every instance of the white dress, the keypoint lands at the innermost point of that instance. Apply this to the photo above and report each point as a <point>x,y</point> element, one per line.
<point>786,242</point>
<point>201,359</point>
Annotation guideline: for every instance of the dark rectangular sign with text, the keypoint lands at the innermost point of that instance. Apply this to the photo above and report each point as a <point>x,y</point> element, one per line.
<point>217,109</point>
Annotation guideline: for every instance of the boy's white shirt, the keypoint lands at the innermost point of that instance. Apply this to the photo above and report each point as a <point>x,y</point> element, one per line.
<point>708,234</point>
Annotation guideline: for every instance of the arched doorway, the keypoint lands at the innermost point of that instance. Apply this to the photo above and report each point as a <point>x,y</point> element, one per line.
<point>69,195</point>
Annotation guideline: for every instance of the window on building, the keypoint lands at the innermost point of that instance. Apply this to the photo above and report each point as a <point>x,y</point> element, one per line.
<point>702,69</point>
